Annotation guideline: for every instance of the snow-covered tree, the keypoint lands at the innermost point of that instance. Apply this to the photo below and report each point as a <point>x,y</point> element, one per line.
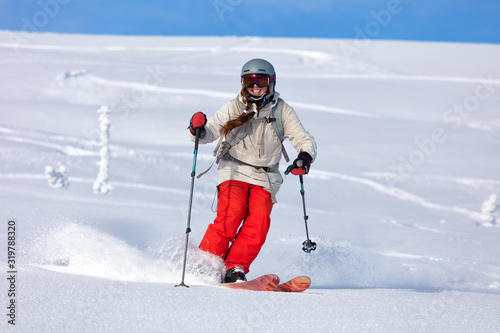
<point>57,177</point>
<point>489,210</point>
<point>101,185</point>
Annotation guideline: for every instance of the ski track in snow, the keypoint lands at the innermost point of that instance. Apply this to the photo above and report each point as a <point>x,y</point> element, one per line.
<point>308,55</point>
<point>98,49</point>
<point>472,182</point>
<point>74,146</point>
<point>97,81</point>
<point>136,86</point>
<point>411,256</point>
<point>396,193</point>
<point>401,77</point>
<point>138,186</point>
<point>120,151</point>
<point>124,152</point>
<point>67,150</point>
<point>390,191</point>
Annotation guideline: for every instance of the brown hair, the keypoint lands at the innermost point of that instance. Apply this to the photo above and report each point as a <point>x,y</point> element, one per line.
<point>243,118</point>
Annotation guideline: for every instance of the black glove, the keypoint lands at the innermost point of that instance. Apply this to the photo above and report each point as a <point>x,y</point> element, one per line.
<point>301,164</point>
<point>198,120</point>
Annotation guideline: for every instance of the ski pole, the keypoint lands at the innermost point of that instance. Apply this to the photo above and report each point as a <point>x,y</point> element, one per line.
<point>308,245</point>
<point>188,228</point>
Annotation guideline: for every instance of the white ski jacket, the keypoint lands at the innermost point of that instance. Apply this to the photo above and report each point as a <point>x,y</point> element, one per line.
<point>255,159</point>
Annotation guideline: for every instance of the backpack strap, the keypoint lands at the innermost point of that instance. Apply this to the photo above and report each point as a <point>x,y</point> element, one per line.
<point>277,124</point>
<point>223,147</point>
<point>277,113</point>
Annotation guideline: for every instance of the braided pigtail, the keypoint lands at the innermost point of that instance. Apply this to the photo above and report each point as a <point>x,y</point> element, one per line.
<point>247,115</point>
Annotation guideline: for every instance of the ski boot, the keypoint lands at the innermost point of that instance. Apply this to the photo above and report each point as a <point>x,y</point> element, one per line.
<point>235,274</point>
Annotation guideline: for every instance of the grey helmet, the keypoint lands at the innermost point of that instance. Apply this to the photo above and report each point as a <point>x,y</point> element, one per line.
<point>260,66</point>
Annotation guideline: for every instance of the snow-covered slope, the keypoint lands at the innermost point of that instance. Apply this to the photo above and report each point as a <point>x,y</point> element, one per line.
<point>402,200</point>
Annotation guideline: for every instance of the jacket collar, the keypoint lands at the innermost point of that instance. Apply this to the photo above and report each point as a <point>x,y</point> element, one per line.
<point>266,110</point>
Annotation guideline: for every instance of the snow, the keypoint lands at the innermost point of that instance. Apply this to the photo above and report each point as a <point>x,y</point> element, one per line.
<point>402,200</point>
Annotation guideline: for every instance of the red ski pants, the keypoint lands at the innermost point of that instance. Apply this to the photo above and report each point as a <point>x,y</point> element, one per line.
<point>239,203</point>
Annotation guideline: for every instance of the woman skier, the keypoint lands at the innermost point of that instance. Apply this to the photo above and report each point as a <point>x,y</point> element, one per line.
<point>248,165</point>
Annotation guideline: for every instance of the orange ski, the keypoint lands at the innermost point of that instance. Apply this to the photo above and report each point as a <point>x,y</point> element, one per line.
<point>264,283</point>
<point>295,285</point>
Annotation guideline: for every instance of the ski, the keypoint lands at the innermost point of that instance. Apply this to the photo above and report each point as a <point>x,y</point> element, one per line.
<point>266,282</point>
<point>270,282</point>
<point>295,285</point>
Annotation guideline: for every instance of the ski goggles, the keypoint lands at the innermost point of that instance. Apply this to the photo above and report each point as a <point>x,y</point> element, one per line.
<point>249,80</point>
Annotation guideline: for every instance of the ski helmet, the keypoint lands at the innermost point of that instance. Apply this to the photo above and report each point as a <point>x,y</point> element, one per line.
<point>260,66</point>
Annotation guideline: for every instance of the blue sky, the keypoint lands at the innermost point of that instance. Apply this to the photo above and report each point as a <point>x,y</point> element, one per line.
<point>423,20</point>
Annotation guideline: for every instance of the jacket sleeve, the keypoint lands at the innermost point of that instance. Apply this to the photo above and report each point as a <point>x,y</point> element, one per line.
<point>300,139</point>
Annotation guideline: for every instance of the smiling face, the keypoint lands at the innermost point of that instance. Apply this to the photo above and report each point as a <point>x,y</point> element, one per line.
<point>257,91</point>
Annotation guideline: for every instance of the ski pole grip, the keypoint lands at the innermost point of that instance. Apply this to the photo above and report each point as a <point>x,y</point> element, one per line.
<point>197,138</point>
<point>300,163</point>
